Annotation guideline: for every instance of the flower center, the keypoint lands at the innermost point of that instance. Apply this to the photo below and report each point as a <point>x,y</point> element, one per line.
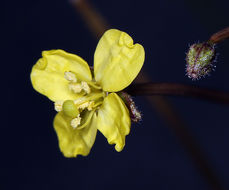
<point>81,109</point>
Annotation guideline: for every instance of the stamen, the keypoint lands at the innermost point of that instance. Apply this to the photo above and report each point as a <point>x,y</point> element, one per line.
<point>91,97</point>
<point>94,85</point>
<point>76,122</point>
<point>70,76</point>
<point>91,105</point>
<point>85,87</point>
<point>98,104</point>
<point>75,87</point>
<point>87,119</point>
<point>58,105</point>
<point>84,105</point>
<point>79,100</point>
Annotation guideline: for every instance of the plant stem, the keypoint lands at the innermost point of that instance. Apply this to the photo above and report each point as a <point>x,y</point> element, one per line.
<point>220,36</point>
<point>93,19</point>
<point>149,89</point>
<point>164,108</point>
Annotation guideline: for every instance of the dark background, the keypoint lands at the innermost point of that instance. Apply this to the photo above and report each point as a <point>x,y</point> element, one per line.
<point>153,158</point>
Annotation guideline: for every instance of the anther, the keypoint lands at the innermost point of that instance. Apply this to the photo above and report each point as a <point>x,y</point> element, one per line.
<point>70,76</point>
<point>85,87</point>
<point>84,105</point>
<point>75,87</point>
<point>78,101</point>
<point>58,105</point>
<point>89,105</point>
<point>76,122</point>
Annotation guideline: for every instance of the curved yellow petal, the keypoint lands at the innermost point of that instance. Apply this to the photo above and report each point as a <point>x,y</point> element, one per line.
<point>73,142</point>
<point>117,61</point>
<point>114,121</point>
<point>47,74</point>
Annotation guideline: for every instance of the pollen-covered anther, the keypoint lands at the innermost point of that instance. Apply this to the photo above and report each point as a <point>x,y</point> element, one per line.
<point>78,101</point>
<point>70,76</point>
<point>85,87</point>
<point>84,105</point>
<point>76,122</point>
<point>91,105</point>
<point>58,105</point>
<point>75,87</point>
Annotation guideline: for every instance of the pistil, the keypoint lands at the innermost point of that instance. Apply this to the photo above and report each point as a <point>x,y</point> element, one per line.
<point>91,99</point>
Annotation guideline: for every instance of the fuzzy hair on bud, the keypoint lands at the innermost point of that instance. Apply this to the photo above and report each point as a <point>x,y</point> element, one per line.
<point>135,114</point>
<point>200,60</point>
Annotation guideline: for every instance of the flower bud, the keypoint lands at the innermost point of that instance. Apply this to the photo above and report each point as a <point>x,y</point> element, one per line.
<point>200,59</point>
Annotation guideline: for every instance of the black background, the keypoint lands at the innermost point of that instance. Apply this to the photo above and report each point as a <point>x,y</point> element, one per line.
<point>153,157</point>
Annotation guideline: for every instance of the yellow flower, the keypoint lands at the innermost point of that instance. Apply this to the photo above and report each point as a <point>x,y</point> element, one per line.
<point>87,101</point>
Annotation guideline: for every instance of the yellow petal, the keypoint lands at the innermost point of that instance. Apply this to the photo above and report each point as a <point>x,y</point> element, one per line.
<point>47,74</point>
<point>114,121</point>
<point>73,142</point>
<point>117,61</point>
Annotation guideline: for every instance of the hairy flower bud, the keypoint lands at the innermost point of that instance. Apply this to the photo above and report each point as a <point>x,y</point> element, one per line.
<point>200,59</point>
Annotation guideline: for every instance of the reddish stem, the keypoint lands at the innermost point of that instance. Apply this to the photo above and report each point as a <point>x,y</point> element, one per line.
<point>149,89</point>
<point>220,36</point>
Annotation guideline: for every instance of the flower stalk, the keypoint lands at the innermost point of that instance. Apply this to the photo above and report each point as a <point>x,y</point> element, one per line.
<point>220,36</point>
<point>174,89</point>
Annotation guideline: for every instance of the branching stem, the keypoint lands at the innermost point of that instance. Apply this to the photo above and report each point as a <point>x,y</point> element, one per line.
<point>173,89</point>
